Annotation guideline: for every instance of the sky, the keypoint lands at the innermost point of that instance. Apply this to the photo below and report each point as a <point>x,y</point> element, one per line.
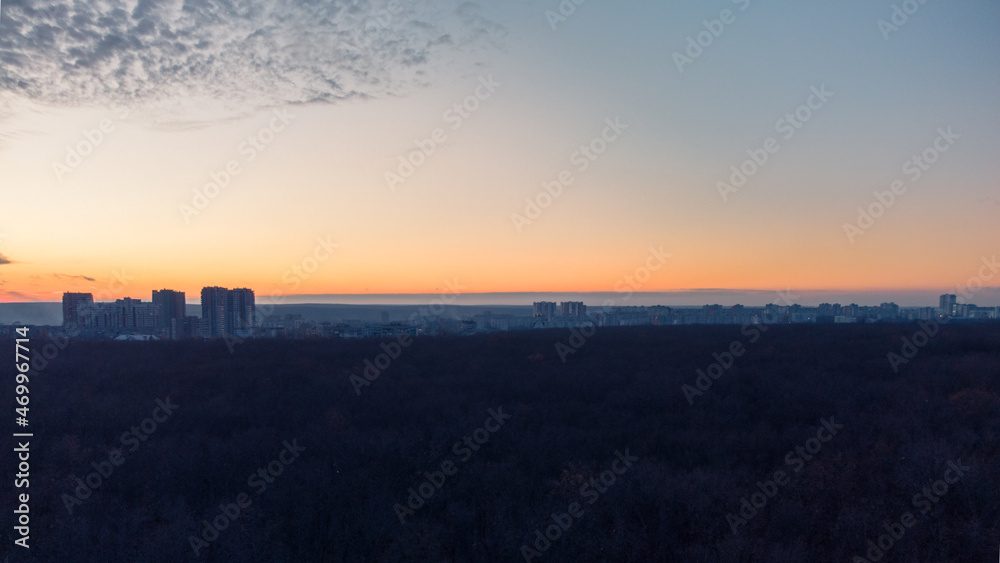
<point>314,147</point>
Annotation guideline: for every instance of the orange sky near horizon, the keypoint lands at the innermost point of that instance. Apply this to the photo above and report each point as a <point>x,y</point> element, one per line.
<point>539,98</point>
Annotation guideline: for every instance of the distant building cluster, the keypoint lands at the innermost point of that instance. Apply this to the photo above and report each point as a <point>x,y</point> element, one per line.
<point>546,311</point>
<point>224,312</point>
<point>569,314</point>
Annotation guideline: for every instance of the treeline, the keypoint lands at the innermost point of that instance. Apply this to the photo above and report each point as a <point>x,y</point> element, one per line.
<point>275,452</point>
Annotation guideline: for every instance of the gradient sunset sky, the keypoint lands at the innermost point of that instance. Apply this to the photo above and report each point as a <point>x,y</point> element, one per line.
<point>181,85</point>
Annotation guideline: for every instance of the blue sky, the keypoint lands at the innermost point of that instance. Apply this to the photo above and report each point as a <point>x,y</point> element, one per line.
<point>365,87</point>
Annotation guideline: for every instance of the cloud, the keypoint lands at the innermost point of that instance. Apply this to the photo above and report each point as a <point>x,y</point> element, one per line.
<point>17,295</point>
<point>4,260</point>
<point>187,62</point>
<point>69,277</point>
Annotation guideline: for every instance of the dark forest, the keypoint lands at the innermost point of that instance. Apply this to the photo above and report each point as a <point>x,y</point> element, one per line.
<point>803,443</point>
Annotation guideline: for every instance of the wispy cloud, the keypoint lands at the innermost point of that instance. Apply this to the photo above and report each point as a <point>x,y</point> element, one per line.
<point>184,62</point>
<point>4,260</point>
<point>16,295</point>
<point>69,277</point>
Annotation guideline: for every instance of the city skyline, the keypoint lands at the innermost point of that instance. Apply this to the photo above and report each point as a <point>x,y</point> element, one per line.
<point>857,156</point>
<point>232,312</point>
<point>967,293</point>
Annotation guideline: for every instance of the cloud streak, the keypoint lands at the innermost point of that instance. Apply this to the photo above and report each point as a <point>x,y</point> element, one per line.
<point>4,295</point>
<point>183,62</point>
<point>71,277</point>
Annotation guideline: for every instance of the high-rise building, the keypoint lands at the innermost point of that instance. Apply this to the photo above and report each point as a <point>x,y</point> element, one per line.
<point>213,311</point>
<point>544,310</point>
<point>948,303</point>
<point>134,315</point>
<point>573,309</point>
<point>240,306</point>
<point>171,306</point>
<point>227,312</point>
<point>190,328</point>
<point>76,309</point>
